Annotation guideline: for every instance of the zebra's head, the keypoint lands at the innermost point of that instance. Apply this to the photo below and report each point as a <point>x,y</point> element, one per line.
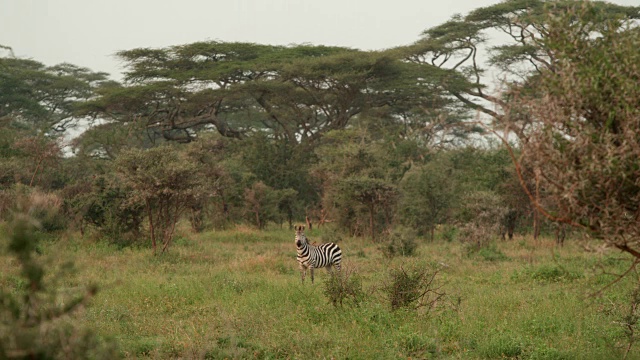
<point>301,239</point>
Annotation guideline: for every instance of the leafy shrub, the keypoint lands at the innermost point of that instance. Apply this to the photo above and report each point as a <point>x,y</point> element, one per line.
<point>449,233</point>
<point>36,321</point>
<point>401,241</point>
<point>412,289</point>
<point>43,207</point>
<point>330,234</point>
<point>480,218</point>
<point>104,204</point>
<point>488,253</point>
<point>344,286</point>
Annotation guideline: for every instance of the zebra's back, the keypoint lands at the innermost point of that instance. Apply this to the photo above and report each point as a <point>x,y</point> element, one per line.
<point>326,255</point>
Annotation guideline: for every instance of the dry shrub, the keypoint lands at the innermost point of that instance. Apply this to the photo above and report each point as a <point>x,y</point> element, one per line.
<point>344,286</point>
<point>480,219</point>
<point>578,124</point>
<point>412,289</point>
<point>44,207</point>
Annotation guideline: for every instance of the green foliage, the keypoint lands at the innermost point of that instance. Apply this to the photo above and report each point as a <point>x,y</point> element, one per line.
<point>412,289</point>
<point>43,207</point>
<point>358,181</point>
<point>488,253</point>
<point>105,204</point>
<point>401,241</point>
<point>481,218</point>
<point>502,345</point>
<point>428,194</point>
<point>549,273</point>
<point>344,286</point>
<point>42,98</point>
<point>165,182</point>
<point>37,320</point>
<point>281,165</point>
<point>594,80</point>
<point>263,204</point>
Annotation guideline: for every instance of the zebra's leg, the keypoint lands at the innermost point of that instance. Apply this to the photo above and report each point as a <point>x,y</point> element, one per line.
<point>303,272</point>
<point>338,266</point>
<point>311,267</point>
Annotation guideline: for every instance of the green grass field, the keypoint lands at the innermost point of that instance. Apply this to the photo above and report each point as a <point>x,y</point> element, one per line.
<point>237,294</point>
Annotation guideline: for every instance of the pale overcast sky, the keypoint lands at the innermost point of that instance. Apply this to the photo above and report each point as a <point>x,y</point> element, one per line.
<point>88,32</point>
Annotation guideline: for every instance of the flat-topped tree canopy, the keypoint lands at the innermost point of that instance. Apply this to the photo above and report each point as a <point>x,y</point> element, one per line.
<point>296,93</point>
<point>40,98</point>
<point>506,39</point>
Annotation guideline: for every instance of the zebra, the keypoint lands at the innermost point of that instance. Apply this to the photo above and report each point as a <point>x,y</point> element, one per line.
<point>312,257</point>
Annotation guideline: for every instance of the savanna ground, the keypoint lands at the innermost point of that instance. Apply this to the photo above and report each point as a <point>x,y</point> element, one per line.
<point>237,294</point>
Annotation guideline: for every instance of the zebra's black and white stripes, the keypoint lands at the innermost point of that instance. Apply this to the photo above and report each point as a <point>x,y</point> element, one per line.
<point>314,257</point>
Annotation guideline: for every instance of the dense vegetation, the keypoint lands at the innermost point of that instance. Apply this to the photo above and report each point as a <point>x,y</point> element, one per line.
<point>237,294</point>
<point>208,152</point>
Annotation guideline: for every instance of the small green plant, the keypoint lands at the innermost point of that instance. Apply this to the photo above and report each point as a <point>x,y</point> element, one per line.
<point>344,287</point>
<point>449,233</point>
<point>491,253</point>
<point>412,289</point>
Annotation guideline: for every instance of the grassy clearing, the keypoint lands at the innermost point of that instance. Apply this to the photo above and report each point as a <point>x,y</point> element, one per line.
<point>237,294</point>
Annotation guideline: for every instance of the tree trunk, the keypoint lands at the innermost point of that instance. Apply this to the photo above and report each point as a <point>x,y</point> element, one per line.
<point>151,229</point>
<point>536,217</point>
<point>371,222</point>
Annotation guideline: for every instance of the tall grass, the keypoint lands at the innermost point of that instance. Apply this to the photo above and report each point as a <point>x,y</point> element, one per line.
<point>237,294</point>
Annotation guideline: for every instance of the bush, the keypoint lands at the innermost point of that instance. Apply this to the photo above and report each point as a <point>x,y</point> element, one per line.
<point>401,241</point>
<point>344,286</point>
<point>43,207</point>
<point>36,321</point>
<point>487,253</point>
<point>480,218</point>
<point>449,233</point>
<point>412,289</point>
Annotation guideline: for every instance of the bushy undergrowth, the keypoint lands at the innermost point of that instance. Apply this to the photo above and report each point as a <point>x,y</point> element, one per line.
<point>413,288</point>
<point>36,317</point>
<point>237,294</point>
<point>489,252</point>
<point>344,287</point>
<point>400,242</point>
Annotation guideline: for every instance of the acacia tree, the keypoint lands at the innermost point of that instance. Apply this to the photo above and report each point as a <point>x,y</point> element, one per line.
<point>44,98</point>
<point>427,196</point>
<point>358,177</point>
<point>165,182</point>
<point>583,145</point>
<point>460,53</point>
<point>294,92</point>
